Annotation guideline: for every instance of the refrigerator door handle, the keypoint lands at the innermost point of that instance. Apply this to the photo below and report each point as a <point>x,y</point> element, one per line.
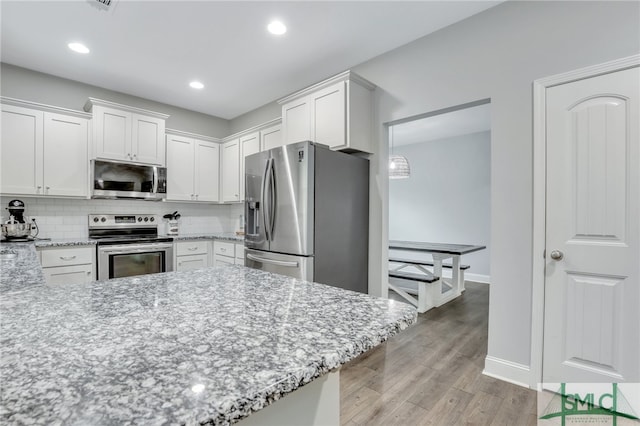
<point>271,261</point>
<point>263,199</point>
<point>272,197</point>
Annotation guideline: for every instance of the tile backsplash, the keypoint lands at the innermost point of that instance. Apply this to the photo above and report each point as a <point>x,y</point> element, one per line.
<point>68,218</point>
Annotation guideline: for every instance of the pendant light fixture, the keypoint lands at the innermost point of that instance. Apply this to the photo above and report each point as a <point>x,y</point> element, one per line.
<point>398,164</point>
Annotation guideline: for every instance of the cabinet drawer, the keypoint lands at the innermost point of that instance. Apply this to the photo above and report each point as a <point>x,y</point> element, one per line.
<point>223,260</point>
<point>223,248</point>
<point>191,247</point>
<point>67,256</point>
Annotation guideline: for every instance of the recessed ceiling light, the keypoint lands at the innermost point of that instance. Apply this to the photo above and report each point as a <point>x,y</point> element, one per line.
<point>196,85</point>
<point>277,28</point>
<point>78,47</point>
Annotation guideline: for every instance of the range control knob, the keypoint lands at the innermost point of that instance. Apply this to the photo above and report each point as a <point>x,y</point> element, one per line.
<point>103,219</point>
<point>139,218</point>
<point>151,219</point>
<point>95,219</point>
<point>146,219</point>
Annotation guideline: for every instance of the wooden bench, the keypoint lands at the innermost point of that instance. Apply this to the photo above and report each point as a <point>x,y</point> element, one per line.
<point>427,263</point>
<point>429,288</point>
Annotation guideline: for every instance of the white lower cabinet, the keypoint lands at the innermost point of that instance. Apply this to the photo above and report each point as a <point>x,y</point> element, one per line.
<point>68,265</point>
<point>192,254</point>
<point>228,253</point>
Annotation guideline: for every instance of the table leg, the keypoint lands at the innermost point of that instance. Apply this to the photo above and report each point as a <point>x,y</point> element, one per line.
<point>455,274</point>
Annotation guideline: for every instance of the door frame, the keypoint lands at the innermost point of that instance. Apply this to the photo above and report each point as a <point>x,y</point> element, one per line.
<point>539,195</point>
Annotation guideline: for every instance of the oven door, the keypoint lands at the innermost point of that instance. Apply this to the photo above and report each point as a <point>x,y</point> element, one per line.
<point>126,260</point>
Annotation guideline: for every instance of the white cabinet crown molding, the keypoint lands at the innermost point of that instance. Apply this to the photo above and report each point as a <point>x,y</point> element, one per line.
<point>253,129</point>
<point>100,102</point>
<point>343,76</point>
<point>43,107</point>
<point>184,134</point>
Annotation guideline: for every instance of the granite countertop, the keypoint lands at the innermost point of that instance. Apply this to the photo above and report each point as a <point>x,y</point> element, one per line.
<point>66,242</point>
<point>204,346</point>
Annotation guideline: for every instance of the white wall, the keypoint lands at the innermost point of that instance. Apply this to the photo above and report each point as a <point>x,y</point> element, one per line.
<point>496,55</point>
<point>68,218</point>
<point>447,198</point>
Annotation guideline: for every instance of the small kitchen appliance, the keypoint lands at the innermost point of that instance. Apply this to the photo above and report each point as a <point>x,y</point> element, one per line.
<point>18,227</point>
<point>129,244</point>
<point>113,179</point>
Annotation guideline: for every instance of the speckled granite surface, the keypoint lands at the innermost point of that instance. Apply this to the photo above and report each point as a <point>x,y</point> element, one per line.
<point>66,242</point>
<point>204,346</point>
<point>20,272</point>
<point>223,236</point>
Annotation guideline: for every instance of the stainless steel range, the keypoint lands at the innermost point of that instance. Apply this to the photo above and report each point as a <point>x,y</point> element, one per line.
<point>128,245</point>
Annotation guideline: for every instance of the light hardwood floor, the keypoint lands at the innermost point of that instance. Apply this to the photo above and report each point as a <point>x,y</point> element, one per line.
<point>431,374</point>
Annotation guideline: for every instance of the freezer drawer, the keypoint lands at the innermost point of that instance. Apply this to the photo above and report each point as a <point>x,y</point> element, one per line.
<point>293,266</point>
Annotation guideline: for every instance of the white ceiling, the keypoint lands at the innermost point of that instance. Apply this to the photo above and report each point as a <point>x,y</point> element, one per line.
<point>153,49</point>
<point>442,126</point>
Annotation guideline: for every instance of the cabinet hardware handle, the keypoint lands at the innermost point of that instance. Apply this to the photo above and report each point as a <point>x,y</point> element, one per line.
<point>223,249</point>
<point>67,257</point>
<point>192,248</point>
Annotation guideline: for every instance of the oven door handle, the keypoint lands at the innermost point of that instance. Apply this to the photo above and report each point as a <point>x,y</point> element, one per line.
<point>131,248</point>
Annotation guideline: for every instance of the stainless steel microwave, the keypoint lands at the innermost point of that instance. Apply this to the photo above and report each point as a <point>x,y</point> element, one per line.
<point>114,179</point>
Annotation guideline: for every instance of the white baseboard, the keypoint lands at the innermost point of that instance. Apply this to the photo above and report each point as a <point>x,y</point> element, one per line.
<point>507,371</point>
<point>477,278</point>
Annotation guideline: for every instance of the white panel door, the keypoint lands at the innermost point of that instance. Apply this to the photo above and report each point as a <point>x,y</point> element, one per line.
<point>231,170</point>
<point>329,120</point>
<point>147,140</point>
<point>249,144</point>
<point>296,121</point>
<point>180,171</point>
<point>65,158</point>
<point>207,168</point>
<point>592,295</point>
<point>271,137</point>
<point>21,151</point>
<point>112,133</point>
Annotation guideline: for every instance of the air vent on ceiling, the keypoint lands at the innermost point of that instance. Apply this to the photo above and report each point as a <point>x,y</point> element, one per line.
<point>103,4</point>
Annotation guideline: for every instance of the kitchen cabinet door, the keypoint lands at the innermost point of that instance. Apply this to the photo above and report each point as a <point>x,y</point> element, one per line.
<point>249,144</point>
<point>231,171</point>
<point>296,121</point>
<point>65,156</point>
<point>147,140</point>
<point>180,173</point>
<point>195,261</point>
<point>112,133</point>
<point>271,137</point>
<point>21,160</point>
<point>328,116</point>
<point>68,275</point>
<point>207,171</point>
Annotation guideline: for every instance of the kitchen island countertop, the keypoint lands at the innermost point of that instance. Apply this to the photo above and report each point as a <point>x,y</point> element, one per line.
<point>204,346</point>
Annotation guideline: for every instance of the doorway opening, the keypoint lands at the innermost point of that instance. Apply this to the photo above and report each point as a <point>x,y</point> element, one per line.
<point>446,199</point>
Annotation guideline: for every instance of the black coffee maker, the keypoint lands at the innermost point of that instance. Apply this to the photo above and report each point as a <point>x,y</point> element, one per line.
<point>16,209</point>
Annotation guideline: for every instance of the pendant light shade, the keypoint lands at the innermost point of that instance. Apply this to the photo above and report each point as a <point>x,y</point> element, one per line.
<point>398,164</point>
<point>398,167</point>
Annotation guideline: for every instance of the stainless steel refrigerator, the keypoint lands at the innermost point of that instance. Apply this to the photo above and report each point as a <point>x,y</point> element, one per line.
<point>307,214</point>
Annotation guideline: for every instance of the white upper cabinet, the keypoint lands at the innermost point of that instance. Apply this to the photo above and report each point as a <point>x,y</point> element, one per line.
<point>337,112</point>
<point>193,169</point>
<point>249,144</point>
<point>271,137</point>
<point>44,153</point>
<point>126,133</point>
<point>231,170</point>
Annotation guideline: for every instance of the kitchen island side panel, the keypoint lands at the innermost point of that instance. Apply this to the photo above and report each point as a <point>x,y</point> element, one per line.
<point>342,220</point>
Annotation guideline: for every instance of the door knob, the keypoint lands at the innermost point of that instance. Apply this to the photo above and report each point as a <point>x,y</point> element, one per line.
<point>557,255</point>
